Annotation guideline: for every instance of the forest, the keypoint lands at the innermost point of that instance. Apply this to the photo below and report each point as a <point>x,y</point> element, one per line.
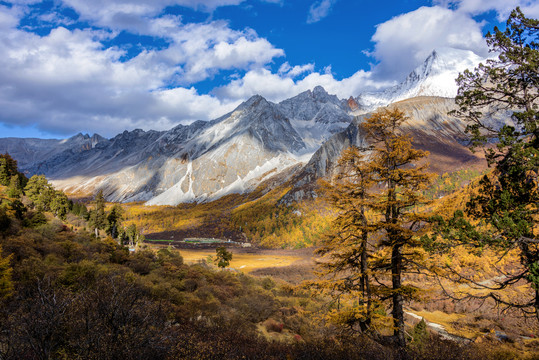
<point>397,250</point>
<point>66,293</point>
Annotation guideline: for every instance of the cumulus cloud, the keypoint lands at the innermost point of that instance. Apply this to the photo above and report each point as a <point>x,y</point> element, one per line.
<point>278,87</point>
<point>69,81</point>
<point>404,41</point>
<point>294,71</point>
<point>9,17</point>
<point>319,10</point>
<point>501,7</point>
<point>204,49</point>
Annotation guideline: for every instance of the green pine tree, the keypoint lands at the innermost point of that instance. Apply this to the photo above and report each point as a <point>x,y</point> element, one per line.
<point>40,192</point>
<point>114,220</point>
<point>97,218</point>
<point>15,187</point>
<point>222,257</point>
<point>508,198</point>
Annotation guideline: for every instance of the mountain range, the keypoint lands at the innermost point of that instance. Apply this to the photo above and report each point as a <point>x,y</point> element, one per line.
<point>299,138</point>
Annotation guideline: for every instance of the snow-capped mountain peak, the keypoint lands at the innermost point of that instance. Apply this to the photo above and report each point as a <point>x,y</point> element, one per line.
<point>434,77</point>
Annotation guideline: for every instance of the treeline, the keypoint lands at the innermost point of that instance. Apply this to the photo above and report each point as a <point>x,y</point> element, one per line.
<point>256,217</point>
<point>271,225</point>
<point>29,199</point>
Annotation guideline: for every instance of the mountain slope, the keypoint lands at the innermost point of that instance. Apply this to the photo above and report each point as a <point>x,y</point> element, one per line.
<point>429,124</point>
<point>240,150</point>
<point>201,161</point>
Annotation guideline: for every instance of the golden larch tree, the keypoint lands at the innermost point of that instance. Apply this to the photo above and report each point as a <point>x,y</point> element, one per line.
<point>375,237</point>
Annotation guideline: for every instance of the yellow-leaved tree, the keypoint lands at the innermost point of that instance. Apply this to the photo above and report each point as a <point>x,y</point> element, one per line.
<point>375,237</point>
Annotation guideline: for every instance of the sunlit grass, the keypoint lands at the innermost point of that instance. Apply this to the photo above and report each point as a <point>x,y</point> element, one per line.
<point>242,262</point>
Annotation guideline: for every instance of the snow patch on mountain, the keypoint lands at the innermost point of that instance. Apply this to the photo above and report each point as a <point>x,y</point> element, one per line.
<point>176,195</point>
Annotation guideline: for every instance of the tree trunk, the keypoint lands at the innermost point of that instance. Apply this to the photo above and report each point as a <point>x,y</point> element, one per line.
<point>365,286</point>
<point>398,312</point>
<point>537,304</point>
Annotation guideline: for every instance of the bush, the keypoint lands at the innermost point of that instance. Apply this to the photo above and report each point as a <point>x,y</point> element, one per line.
<point>272,325</point>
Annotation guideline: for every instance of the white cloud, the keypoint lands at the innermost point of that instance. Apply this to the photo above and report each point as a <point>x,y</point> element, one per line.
<point>404,41</point>
<point>294,71</point>
<point>204,49</point>
<point>56,19</point>
<point>68,82</point>
<point>503,8</point>
<point>319,10</point>
<point>195,51</point>
<point>9,17</point>
<point>277,87</point>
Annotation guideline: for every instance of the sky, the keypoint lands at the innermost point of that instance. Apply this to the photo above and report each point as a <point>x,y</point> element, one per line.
<point>105,66</point>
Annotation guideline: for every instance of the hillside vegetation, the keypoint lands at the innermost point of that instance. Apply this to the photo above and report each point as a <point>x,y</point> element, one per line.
<point>66,293</point>
<point>257,218</point>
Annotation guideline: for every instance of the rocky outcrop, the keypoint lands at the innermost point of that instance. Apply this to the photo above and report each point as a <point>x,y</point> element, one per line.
<point>429,124</point>
<point>352,104</point>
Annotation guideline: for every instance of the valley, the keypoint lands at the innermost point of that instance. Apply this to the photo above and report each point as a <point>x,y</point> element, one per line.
<point>311,227</point>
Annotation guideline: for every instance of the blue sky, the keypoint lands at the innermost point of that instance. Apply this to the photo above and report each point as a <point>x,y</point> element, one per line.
<point>103,66</point>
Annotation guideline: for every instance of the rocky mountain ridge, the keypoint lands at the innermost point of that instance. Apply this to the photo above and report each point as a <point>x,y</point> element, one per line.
<point>301,137</point>
<point>429,124</point>
<point>201,161</point>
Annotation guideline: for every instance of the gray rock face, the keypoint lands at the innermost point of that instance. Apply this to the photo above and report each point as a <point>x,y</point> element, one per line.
<point>29,151</point>
<point>316,115</point>
<point>429,124</point>
<point>322,163</point>
<point>200,161</point>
